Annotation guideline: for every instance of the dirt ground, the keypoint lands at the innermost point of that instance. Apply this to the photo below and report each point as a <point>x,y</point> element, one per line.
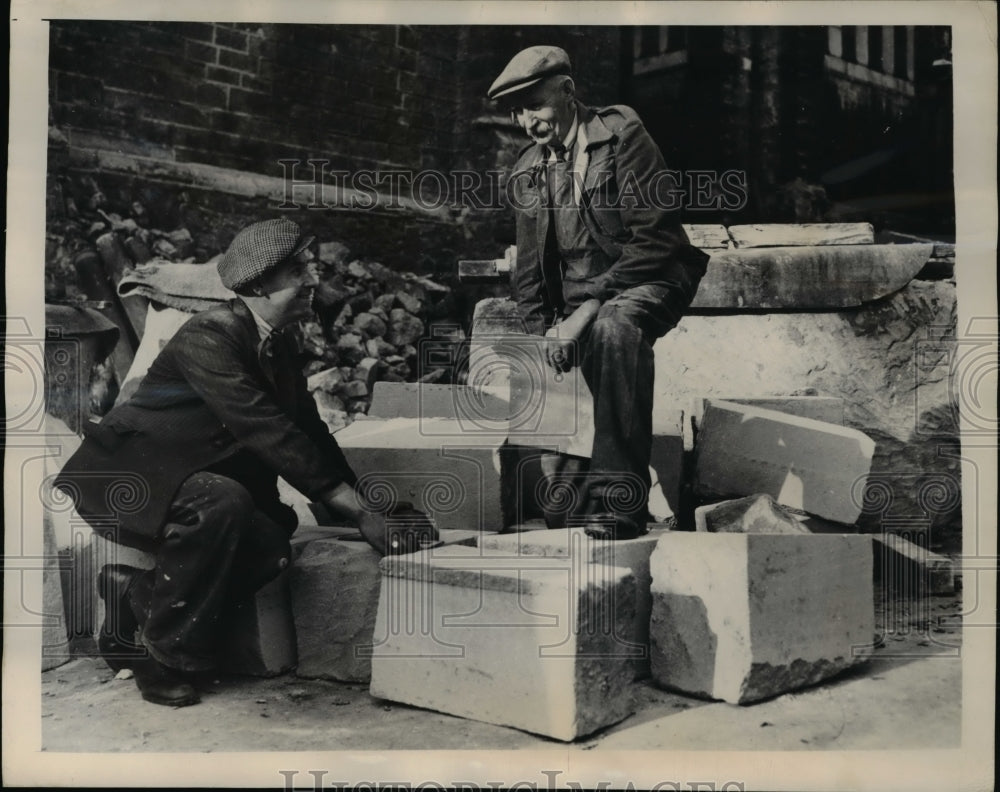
<point>908,695</point>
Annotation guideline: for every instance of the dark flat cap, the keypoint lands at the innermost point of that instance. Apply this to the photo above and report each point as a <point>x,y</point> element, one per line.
<point>528,67</point>
<point>258,248</point>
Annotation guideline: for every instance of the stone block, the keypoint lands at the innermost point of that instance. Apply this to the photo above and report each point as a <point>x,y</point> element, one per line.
<point>451,474</point>
<point>334,582</point>
<point>818,467</point>
<point>632,555</point>
<point>334,587</point>
<point>417,400</point>
<point>755,514</point>
<point>743,617</point>
<point>819,408</point>
<point>260,635</point>
<point>527,642</point>
<point>908,568</point>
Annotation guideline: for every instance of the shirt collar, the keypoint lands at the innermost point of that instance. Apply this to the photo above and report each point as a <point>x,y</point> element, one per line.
<point>264,328</point>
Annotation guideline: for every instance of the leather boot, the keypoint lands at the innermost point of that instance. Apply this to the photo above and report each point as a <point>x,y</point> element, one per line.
<point>160,684</point>
<point>606,525</point>
<point>116,641</point>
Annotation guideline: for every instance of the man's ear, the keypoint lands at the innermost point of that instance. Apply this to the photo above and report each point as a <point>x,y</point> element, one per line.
<point>568,88</point>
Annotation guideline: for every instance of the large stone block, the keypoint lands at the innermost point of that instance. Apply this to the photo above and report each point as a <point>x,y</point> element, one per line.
<point>422,400</point>
<point>743,617</point>
<point>260,635</point>
<point>334,582</point>
<point>528,642</point>
<point>909,568</point>
<point>334,594</point>
<point>574,543</point>
<point>451,474</point>
<point>819,408</point>
<point>890,361</point>
<point>818,467</point>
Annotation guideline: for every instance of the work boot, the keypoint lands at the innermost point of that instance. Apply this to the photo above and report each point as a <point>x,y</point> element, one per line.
<point>160,684</point>
<point>116,641</point>
<point>606,525</point>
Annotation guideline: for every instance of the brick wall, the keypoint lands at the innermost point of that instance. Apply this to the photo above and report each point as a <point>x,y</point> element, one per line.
<point>244,96</point>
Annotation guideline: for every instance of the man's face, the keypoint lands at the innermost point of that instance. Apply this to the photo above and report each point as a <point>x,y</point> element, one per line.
<point>290,287</point>
<point>545,110</point>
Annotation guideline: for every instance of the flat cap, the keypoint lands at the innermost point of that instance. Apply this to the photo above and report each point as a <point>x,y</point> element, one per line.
<point>258,248</point>
<point>528,67</point>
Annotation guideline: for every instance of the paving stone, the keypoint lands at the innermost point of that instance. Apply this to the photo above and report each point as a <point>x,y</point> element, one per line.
<point>743,617</point>
<point>906,567</point>
<point>260,640</point>
<point>527,642</point>
<point>574,543</point>
<point>754,514</point>
<point>818,467</point>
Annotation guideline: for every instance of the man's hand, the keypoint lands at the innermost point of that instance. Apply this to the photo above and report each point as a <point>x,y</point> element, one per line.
<point>344,501</point>
<point>561,339</point>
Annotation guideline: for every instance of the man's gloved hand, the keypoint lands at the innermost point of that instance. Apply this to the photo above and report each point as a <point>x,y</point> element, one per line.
<point>561,339</point>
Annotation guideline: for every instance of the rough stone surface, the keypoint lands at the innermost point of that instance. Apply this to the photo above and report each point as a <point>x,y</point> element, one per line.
<point>888,360</point>
<point>549,662</point>
<point>743,617</point>
<point>404,327</point>
<point>818,467</point>
<point>334,593</point>
<point>754,514</point>
<point>260,638</point>
<point>574,543</point>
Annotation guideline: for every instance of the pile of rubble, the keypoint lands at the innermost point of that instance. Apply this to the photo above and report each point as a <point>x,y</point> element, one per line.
<point>372,323</point>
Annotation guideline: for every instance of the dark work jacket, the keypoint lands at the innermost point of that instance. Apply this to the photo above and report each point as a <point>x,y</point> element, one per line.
<point>625,204</point>
<point>211,400</point>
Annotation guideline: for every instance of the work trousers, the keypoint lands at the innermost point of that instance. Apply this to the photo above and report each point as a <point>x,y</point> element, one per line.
<point>216,549</point>
<point>616,359</point>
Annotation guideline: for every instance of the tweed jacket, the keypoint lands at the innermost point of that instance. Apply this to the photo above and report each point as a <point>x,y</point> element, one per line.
<point>626,205</point>
<point>213,399</point>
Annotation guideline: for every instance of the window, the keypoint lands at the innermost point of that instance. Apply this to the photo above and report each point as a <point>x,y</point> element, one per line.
<point>658,47</point>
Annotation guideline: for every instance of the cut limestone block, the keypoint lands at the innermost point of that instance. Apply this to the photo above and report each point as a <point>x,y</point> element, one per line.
<point>755,514</point>
<point>574,543</point>
<point>774,234</point>
<point>527,642</point>
<point>708,236</point>
<point>818,467</point>
<point>334,583</point>
<point>260,638</point>
<point>906,567</point>
<point>742,617</point>
<point>814,277</point>
<point>334,590</point>
<point>820,408</point>
<point>417,400</point>
<point>451,474</point>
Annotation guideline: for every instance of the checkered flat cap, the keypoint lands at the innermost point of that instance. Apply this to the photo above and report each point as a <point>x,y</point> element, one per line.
<point>258,248</point>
